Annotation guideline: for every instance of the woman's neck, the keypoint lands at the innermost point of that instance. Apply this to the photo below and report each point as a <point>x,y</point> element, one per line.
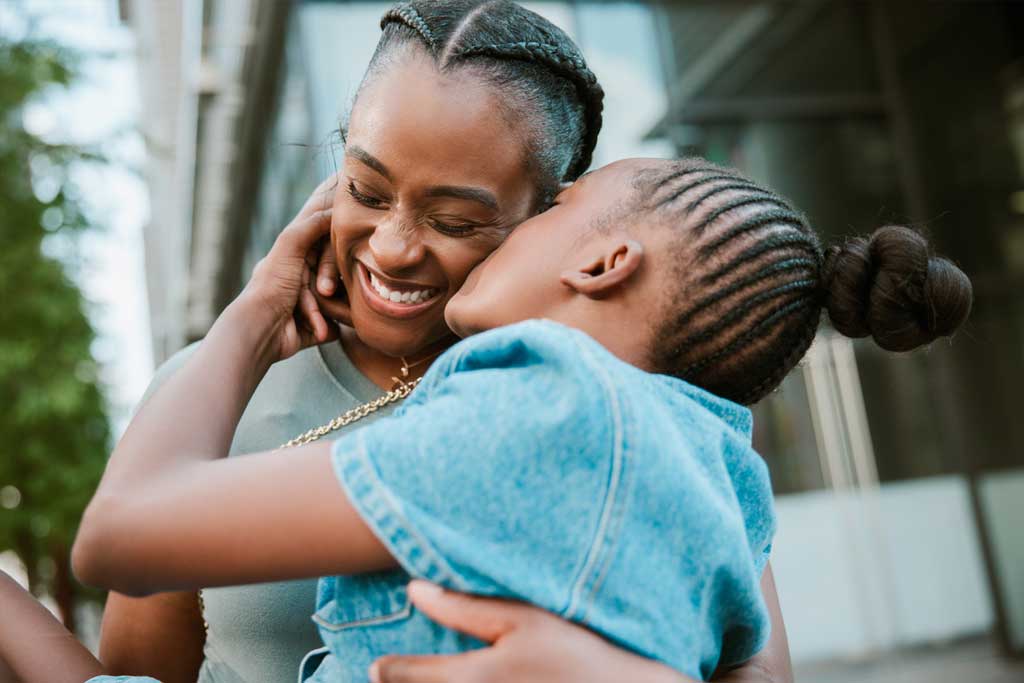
<point>382,369</point>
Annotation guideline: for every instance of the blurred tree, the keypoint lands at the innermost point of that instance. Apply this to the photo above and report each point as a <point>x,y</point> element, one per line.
<point>54,432</point>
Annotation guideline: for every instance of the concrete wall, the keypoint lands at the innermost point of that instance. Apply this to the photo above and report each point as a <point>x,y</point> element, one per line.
<point>862,573</point>
<point>1002,496</point>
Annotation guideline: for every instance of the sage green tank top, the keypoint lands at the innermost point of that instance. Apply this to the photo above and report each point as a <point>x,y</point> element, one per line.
<point>260,633</point>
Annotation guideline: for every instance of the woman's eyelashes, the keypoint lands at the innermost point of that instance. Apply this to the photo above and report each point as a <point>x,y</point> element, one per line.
<point>450,229</point>
<point>450,226</point>
<point>367,200</point>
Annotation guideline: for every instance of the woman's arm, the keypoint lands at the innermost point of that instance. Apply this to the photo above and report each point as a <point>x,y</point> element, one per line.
<point>527,645</point>
<point>136,631</point>
<point>34,646</point>
<point>147,528</point>
<point>530,645</point>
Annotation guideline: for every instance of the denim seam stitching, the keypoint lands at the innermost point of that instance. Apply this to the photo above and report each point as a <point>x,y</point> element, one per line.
<point>609,503</point>
<point>367,621</point>
<point>384,514</point>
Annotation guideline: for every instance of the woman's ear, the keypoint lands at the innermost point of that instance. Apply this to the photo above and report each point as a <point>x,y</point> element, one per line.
<point>598,276</point>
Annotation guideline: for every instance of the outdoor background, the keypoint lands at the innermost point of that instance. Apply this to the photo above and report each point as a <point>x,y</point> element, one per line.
<point>150,150</point>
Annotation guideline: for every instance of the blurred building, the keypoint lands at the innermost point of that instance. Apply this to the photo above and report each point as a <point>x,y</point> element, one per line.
<point>900,479</point>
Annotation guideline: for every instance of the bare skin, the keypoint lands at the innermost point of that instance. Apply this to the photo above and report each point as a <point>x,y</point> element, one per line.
<point>34,646</point>
<point>409,125</point>
<point>599,285</point>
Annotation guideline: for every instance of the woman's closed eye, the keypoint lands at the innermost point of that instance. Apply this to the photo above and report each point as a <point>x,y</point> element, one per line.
<point>452,227</point>
<point>367,200</point>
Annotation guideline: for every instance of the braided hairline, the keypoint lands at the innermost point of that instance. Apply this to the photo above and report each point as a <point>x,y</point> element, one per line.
<point>569,66</point>
<point>790,360</point>
<point>405,13</point>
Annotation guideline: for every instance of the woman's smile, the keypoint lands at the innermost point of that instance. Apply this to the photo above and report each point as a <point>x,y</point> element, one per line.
<point>394,298</point>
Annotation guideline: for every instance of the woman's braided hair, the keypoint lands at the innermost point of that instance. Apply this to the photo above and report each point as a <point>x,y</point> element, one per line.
<point>539,71</point>
<point>755,280</point>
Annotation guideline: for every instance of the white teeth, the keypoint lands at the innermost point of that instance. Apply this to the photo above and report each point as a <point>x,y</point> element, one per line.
<point>401,297</point>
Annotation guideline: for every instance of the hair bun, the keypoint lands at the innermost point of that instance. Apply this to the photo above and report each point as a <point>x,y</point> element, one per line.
<point>888,286</point>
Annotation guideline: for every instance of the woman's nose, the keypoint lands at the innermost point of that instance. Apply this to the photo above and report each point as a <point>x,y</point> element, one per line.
<point>396,247</point>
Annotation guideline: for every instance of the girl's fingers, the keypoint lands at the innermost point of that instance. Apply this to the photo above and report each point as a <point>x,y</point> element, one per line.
<point>327,272</point>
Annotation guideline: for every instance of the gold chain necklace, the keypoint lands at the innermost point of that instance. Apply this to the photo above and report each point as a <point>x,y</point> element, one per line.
<point>401,390</point>
<point>355,414</point>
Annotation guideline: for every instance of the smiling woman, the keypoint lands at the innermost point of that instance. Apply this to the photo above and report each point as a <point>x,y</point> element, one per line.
<point>469,117</point>
<point>416,212</point>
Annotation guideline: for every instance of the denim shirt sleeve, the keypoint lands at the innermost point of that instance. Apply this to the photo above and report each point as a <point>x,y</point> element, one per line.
<point>496,477</point>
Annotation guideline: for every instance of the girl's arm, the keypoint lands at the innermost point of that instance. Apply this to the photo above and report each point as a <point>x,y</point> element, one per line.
<point>135,631</point>
<point>148,526</point>
<point>34,646</point>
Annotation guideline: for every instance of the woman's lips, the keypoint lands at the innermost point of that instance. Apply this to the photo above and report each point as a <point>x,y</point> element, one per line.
<point>393,300</point>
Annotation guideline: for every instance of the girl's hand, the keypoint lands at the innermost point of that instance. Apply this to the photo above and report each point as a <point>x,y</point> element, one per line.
<point>528,645</point>
<point>280,293</point>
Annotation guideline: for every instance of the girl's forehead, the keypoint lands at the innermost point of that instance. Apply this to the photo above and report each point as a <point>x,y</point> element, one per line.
<point>611,184</point>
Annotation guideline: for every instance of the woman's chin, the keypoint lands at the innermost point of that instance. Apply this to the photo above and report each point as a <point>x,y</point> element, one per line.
<point>398,339</point>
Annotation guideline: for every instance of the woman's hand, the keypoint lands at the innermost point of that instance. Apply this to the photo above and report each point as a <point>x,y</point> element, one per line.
<point>280,293</point>
<point>528,645</point>
<point>330,291</point>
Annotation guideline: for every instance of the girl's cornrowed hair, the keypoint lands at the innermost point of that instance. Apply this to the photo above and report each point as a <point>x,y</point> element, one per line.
<point>756,281</point>
<point>542,76</point>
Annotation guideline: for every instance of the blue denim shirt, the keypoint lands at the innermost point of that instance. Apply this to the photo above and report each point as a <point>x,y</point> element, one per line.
<point>533,464</point>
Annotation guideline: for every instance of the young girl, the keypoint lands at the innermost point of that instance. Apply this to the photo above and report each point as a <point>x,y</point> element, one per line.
<point>596,464</point>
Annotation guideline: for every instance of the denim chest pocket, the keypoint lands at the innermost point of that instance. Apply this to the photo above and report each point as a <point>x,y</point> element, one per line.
<point>364,600</point>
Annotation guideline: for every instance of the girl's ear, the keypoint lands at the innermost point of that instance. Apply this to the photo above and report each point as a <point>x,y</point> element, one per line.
<point>598,276</point>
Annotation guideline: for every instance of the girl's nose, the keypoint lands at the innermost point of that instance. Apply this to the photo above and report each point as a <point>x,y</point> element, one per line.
<point>396,247</point>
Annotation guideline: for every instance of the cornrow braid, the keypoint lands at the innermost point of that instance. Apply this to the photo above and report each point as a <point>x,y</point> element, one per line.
<point>758,264</point>
<point>405,13</point>
<point>754,198</point>
<point>778,245</point>
<point>737,314</point>
<point>753,279</point>
<point>756,281</point>
<point>777,216</point>
<point>803,338</point>
<point>763,325</point>
<point>681,190</point>
<point>568,65</point>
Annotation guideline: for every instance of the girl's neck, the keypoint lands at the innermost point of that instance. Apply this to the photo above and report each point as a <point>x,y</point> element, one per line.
<point>382,369</point>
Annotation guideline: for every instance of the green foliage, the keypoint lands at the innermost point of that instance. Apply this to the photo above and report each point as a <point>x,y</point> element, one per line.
<point>54,433</point>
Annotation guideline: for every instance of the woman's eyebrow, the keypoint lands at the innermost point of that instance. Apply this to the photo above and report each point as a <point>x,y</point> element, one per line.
<point>360,154</point>
<point>473,194</point>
